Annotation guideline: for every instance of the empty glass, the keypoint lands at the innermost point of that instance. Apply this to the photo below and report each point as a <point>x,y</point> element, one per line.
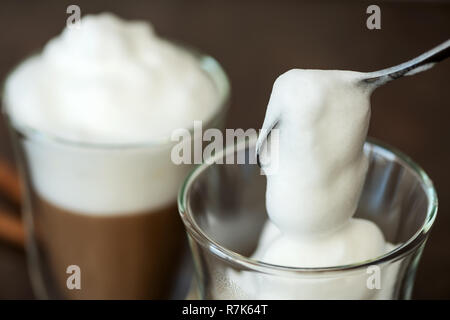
<point>223,209</point>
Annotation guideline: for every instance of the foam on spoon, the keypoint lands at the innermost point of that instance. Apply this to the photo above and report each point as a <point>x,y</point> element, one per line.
<point>109,84</point>
<point>313,192</point>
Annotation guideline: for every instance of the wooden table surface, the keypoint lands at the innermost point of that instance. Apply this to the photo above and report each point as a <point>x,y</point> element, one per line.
<point>256,41</point>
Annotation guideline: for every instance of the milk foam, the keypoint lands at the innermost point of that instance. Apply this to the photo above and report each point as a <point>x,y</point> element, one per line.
<point>311,197</point>
<point>110,82</point>
<point>312,194</point>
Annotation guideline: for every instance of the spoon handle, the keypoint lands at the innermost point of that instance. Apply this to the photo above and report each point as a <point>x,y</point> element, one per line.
<point>421,63</point>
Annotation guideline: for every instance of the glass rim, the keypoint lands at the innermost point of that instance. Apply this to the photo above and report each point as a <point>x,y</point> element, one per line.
<point>208,64</point>
<point>400,251</point>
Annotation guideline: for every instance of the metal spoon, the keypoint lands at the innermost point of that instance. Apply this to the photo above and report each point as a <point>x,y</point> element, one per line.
<point>421,63</point>
<point>377,78</point>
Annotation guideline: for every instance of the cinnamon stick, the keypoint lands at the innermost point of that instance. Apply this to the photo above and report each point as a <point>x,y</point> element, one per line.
<point>11,228</point>
<point>9,183</point>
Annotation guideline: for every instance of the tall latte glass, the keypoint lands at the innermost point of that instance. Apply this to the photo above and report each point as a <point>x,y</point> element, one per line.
<point>101,218</point>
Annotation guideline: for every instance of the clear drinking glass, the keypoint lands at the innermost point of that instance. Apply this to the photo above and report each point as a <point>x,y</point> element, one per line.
<point>129,253</point>
<point>223,209</point>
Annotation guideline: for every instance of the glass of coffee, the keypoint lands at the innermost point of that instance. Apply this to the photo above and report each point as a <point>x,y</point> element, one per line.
<point>223,210</point>
<point>101,218</point>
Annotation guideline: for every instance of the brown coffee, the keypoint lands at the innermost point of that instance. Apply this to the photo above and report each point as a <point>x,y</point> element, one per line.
<point>126,256</point>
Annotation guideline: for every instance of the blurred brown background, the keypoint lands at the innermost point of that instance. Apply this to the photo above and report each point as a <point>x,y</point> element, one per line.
<point>256,41</point>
